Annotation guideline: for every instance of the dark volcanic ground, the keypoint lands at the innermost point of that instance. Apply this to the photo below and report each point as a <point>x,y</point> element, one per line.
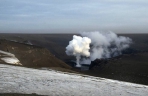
<point>132,66</point>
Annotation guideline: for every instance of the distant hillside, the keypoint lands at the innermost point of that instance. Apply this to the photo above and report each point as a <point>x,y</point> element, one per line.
<point>56,43</point>
<point>32,56</point>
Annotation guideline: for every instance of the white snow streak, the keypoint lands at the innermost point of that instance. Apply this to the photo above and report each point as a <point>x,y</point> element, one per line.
<point>9,58</point>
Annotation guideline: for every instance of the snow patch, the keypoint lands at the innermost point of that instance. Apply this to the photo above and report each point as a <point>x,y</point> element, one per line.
<point>7,53</point>
<point>9,58</point>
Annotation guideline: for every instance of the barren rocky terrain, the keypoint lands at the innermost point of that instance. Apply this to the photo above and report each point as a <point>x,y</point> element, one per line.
<point>32,56</point>
<point>131,66</point>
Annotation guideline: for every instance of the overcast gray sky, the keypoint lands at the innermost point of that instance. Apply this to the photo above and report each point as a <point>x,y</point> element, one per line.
<point>120,16</point>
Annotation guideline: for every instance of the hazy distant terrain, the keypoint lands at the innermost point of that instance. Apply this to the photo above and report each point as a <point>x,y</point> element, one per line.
<point>131,66</point>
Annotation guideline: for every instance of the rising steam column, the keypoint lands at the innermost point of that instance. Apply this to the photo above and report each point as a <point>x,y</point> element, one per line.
<point>79,46</point>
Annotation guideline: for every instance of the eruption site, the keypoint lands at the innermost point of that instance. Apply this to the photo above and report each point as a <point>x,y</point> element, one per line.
<point>78,47</point>
<point>96,45</point>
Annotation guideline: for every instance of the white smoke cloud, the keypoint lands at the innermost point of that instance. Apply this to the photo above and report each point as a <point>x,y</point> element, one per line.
<point>105,45</point>
<point>102,45</point>
<point>78,47</point>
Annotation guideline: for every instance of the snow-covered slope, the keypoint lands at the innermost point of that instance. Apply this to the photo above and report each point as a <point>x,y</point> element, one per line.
<point>15,79</point>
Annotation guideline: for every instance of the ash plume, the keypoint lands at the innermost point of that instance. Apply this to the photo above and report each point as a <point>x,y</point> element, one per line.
<point>102,45</point>
<point>78,47</point>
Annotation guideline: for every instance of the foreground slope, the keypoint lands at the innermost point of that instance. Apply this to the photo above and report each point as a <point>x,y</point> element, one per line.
<point>15,79</point>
